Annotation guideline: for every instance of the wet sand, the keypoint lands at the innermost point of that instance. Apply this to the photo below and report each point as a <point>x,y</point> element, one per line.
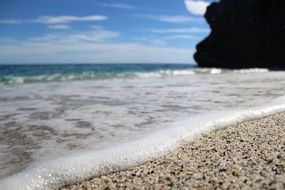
<point>250,155</point>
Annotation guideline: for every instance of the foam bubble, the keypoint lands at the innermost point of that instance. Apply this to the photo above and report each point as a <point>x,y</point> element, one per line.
<point>16,80</point>
<point>253,70</point>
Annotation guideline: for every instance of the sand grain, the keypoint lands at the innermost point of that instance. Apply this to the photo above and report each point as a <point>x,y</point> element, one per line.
<point>250,155</point>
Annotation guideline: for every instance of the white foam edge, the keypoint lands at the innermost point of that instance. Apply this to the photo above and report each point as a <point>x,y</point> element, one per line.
<point>75,167</point>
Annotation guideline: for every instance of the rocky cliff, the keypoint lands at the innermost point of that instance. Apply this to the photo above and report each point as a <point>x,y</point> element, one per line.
<point>244,34</point>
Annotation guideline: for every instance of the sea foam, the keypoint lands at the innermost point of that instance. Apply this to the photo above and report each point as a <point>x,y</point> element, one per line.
<point>87,75</point>
<point>78,166</point>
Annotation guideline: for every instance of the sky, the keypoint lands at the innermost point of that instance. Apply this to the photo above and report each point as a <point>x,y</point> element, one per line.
<point>101,31</point>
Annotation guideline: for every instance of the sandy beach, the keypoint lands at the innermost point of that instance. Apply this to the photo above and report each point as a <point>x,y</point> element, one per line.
<point>250,155</point>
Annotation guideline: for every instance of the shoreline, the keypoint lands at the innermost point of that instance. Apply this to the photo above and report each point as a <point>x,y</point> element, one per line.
<point>250,154</point>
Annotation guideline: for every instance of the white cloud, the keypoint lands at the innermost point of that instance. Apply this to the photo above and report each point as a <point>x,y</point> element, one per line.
<point>180,30</point>
<point>90,47</point>
<point>11,21</point>
<point>181,37</point>
<point>56,22</point>
<point>97,27</point>
<point>68,19</point>
<point>94,36</point>
<point>94,53</point>
<point>196,7</point>
<point>158,42</point>
<point>59,27</point>
<point>171,18</point>
<point>118,5</point>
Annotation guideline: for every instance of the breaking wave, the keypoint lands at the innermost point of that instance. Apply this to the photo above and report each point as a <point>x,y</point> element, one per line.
<point>89,75</point>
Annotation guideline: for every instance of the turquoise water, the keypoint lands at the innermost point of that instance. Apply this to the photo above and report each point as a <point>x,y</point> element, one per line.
<point>24,74</point>
<point>10,74</point>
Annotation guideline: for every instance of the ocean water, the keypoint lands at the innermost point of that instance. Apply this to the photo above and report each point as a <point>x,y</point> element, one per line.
<point>59,117</point>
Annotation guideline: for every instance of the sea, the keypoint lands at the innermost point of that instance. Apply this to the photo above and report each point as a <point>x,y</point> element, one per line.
<point>62,123</point>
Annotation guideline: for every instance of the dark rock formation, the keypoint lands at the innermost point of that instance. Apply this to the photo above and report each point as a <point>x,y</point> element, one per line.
<point>245,34</point>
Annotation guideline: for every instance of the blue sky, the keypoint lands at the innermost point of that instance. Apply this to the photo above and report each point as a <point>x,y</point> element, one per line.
<point>101,31</point>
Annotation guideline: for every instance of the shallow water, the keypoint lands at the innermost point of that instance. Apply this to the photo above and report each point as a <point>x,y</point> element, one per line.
<point>41,120</point>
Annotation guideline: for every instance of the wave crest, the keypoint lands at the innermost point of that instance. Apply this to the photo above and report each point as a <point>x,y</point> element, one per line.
<point>57,77</point>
